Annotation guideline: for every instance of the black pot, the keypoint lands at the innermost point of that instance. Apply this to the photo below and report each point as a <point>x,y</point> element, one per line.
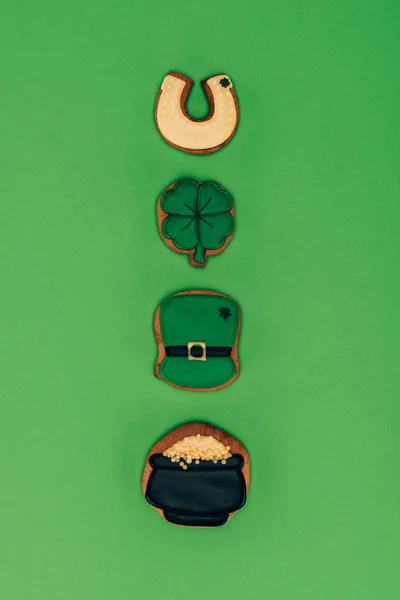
<point>202,495</point>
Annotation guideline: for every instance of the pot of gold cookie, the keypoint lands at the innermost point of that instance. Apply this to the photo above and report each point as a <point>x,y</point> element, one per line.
<point>197,476</point>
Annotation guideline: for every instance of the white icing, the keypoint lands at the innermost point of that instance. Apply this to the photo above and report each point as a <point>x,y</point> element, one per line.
<point>224,124</point>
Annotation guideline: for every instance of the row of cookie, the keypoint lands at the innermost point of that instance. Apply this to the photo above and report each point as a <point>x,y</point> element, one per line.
<point>197,475</point>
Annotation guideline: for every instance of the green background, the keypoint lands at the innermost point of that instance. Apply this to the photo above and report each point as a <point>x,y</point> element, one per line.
<point>314,169</point>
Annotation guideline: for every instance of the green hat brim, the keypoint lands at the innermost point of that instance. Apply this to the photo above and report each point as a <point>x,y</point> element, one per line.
<point>198,374</point>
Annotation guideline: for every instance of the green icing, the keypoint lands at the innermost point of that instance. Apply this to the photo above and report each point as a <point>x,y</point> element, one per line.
<point>199,254</point>
<point>197,374</point>
<point>213,320</point>
<point>198,216</point>
<point>197,318</point>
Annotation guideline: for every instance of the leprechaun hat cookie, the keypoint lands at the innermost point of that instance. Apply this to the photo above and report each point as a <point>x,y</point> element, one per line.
<point>197,334</point>
<point>197,136</point>
<point>196,218</point>
<point>197,476</point>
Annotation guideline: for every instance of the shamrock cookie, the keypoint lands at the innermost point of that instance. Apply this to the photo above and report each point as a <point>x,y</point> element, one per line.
<point>197,476</point>
<point>197,333</point>
<point>195,218</point>
<point>197,136</point>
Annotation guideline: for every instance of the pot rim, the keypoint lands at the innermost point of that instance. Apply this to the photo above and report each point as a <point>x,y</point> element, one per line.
<point>163,463</point>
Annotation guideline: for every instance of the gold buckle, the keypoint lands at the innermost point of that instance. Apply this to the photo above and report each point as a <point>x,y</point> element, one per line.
<point>202,345</point>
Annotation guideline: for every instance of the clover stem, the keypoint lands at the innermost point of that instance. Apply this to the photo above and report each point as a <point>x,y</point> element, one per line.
<point>199,256</point>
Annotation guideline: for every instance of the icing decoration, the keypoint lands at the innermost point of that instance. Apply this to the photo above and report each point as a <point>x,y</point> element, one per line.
<point>197,334</point>
<point>197,136</point>
<point>198,447</point>
<point>195,218</point>
<point>204,492</point>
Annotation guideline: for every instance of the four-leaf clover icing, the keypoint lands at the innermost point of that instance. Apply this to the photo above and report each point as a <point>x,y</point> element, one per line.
<point>198,217</point>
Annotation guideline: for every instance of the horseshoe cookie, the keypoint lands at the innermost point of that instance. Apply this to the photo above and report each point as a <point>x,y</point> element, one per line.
<point>197,136</point>
<point>197,476</point>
